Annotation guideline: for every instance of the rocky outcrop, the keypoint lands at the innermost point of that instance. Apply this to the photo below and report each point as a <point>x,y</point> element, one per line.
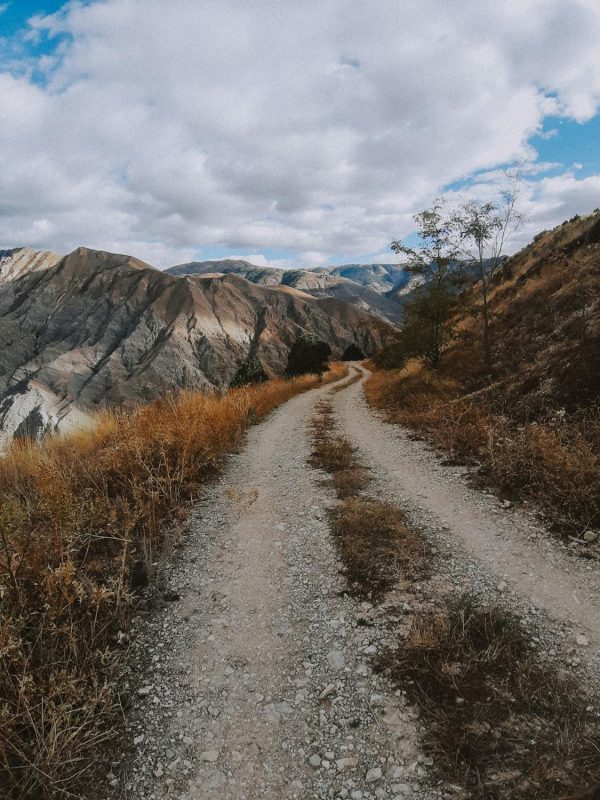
<point>95,328</point>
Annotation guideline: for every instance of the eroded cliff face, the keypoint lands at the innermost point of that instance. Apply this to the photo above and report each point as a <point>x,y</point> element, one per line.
<point>95,328</point>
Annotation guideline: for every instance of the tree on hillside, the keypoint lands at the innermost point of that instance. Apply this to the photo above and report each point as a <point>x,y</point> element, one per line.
<point>429,327</point>
<point>309,354</point>
<point>483,229</point>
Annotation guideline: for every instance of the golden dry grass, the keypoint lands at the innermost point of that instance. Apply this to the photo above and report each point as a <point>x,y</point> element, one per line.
<point>82,520</point>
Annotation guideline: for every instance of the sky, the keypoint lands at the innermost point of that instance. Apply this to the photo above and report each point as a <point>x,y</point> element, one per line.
<point>288,132</point>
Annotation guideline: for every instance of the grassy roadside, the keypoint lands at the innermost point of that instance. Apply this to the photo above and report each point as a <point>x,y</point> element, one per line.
<point>498,721</point>
<point>82,520</point>
<point>552,462</point>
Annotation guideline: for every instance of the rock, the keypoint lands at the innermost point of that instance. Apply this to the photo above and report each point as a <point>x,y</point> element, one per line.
<point>582,640</point>
<point>144,691</point>
<point>209,755</point>
<point>327,691</point>
<point>590,536</point>
<point>315,761</point>
<point>216,780</point>
<point>336,660</point>
<point>374,775</point>
<point>346,763</point>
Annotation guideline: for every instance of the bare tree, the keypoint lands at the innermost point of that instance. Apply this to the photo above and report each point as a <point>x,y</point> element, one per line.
<point>484,228</point>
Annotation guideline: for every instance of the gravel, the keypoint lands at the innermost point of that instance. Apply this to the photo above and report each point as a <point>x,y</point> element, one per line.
<point>257,682</point>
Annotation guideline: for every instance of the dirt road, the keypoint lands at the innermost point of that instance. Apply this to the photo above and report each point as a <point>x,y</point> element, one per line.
<point>257,681</point>
<point>504,546</point>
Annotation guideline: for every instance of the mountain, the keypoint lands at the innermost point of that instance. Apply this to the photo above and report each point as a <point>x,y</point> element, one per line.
<point>95,328</point>
<point>21,260</point>
<point>366,290</point>
<point>380,278</point>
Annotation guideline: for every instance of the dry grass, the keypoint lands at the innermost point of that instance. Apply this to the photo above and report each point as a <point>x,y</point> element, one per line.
<point>553,463</point>
<point>376,545</point>
<point>82,520</point>
<point>373,540</point>
<point>334,454</point>
<point>498,721</point>
<point>352,380</point>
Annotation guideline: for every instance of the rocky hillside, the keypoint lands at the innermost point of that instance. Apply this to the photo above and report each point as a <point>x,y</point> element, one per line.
<point>382,278</point>
<point>95,328</point>
<point>372,287</point>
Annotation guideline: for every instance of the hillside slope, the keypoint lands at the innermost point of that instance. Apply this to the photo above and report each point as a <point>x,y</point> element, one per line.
<point>95,328</point>
<point>532,421</point>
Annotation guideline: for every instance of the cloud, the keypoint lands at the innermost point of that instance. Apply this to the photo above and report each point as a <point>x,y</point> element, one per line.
<point>317,128</point>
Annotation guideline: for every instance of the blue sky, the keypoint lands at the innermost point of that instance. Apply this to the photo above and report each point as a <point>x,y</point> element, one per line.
<point>307,134</point>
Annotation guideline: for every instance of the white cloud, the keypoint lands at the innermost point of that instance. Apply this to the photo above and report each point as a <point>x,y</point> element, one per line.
<point>316,127</point>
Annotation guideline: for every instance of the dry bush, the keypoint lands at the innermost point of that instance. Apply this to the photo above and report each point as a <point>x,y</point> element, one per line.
<point>375,545</point>
<point>82,519</point>
<point>430,403</point>
<point>499,722</point>
<point>554,464</point>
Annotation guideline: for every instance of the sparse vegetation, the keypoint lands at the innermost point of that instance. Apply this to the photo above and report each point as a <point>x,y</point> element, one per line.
<point>334,454</point>
<point>483,229</point>
<point>83,519</point>
<point>498,721</point>
<point>376,544</point>
<point>431,313</point>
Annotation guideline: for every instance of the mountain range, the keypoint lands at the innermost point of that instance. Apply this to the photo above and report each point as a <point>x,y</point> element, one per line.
<point>372,287</point>
<point>93,328</point>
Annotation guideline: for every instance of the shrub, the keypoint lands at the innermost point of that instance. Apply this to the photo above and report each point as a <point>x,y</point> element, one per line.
<point>392,356</point>
<point>309,354</point>
<point>251,371</point>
